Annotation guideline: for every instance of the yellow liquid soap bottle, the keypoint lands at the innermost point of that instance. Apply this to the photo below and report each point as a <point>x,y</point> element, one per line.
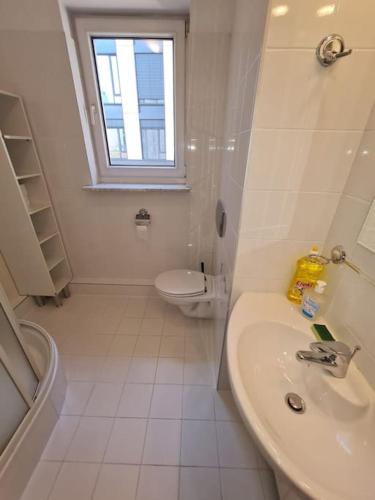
<point>309,270</point>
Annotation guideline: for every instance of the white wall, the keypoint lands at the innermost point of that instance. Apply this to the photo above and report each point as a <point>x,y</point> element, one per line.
<point>307,129</point>
<point>353,298</point>
<point>98,228</point>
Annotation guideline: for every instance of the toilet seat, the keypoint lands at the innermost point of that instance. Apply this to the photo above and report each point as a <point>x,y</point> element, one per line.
<point>181,283</point>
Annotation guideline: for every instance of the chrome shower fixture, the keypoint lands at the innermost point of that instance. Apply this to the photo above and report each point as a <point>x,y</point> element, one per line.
<point>331,48</point>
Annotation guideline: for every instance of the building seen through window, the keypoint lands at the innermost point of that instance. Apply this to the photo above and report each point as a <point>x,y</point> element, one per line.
<point>135,81</point>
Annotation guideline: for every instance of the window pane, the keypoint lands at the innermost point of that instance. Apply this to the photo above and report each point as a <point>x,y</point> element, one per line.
<point>136,86</point>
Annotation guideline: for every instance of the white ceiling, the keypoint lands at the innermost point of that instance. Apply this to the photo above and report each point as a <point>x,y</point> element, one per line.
<point>130,5</point>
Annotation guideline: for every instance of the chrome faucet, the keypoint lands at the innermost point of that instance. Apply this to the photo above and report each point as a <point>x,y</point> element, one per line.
<point>331,355</point>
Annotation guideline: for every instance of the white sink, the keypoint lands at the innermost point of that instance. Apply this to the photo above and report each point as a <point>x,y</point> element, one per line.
<point>328,452</point>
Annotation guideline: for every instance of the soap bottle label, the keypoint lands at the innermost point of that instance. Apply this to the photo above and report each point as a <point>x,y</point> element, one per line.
<point>310,307</point>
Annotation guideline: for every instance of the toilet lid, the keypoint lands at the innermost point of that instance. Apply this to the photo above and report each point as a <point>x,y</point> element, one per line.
<point>181,282</point>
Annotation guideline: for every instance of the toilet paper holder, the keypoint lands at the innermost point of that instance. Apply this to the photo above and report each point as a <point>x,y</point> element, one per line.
<point>142,218</point>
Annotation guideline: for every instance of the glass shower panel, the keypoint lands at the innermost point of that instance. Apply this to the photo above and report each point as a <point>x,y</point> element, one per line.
<point>15,353</point>
<point>13,412</point>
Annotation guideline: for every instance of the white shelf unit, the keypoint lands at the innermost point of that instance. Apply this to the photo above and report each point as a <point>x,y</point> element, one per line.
<point>30,240</point>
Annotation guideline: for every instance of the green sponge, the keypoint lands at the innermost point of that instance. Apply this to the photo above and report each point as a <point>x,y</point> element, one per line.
<point>321,332</point>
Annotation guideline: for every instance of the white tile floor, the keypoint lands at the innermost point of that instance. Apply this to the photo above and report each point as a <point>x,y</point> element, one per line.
<point>141,419</point>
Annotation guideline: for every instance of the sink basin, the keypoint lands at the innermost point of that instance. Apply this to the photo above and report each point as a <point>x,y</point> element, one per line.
<point>328,451</point>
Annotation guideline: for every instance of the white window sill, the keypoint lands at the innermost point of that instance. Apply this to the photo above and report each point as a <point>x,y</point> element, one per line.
<point>137,187</point>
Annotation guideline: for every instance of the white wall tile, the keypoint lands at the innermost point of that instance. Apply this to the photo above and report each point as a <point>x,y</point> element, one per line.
<point>346,226</point>
<point>296,92</point>
<point>293,24</point>
<point>269,259</point>
<point>305,160</point>
<point>361,181</point>
<point>350,313</point>
<point>319,19</point>
<point>358,31</point>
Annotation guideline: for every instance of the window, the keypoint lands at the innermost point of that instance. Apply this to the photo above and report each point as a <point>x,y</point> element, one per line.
<point>133,74</point>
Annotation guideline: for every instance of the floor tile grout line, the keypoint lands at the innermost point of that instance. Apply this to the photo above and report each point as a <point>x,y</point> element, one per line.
<point>224,467</point>
<point>218,453</point>
<point>103,457</point>
<point>180,454</point>
<point>143,447</point>
<point>55,480</point>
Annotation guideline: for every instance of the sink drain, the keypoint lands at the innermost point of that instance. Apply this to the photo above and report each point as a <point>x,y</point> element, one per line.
<point>295,402</point>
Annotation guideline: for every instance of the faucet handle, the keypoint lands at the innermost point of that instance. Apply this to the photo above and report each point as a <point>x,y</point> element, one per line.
<point>335,347</point>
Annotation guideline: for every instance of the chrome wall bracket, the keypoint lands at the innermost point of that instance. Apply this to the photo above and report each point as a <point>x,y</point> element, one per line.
<point>331,48</point>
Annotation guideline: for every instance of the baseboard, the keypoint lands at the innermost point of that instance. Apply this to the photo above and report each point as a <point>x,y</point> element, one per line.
<point>113,281</point>
<point>143,289</point>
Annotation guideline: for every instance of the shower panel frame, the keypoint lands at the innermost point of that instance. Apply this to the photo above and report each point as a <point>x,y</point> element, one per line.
<point>9,366</point>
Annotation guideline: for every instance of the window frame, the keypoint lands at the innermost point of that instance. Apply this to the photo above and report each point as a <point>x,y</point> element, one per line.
<point>90,26</point>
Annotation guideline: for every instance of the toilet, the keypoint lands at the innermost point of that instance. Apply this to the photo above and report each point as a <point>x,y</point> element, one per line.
<point>193,292</point>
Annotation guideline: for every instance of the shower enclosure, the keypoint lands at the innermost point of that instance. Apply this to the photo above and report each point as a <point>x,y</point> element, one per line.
<point>19,380</point>
<point>32,391</point>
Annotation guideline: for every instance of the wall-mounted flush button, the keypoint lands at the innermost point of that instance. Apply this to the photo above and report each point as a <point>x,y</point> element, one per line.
<point>221,219</point>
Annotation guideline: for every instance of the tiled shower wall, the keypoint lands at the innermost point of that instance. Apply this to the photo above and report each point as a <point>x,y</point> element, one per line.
<point>308,126</point>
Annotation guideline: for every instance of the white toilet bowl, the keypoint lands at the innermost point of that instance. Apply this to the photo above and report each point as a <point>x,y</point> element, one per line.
<point>193,292</point>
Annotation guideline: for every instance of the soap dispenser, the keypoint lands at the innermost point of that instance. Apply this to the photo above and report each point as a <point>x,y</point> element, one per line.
<point>314,301</point>
<point>309,269</point>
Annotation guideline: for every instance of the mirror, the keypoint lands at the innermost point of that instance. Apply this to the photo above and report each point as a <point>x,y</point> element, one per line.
<point>366,237</point>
